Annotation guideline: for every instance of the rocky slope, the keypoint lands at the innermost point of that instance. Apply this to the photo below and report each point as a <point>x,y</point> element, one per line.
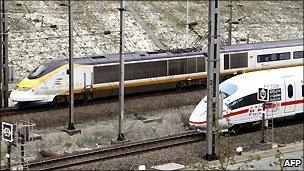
<point>39,29</point>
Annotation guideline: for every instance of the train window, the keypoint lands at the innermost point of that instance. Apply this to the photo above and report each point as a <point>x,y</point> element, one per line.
<point>302,90</point>
<point>201,67</point>
<point>273,57</point>
<point>182,66</point>
<point>146,70</point>
<point>226,61</point>
<point>136,71</point>
<point>191,65</point>
<point>298,54</point>
<point>244,101</point>
<point>283,56</point>
<point>227,89</point>
<point>238,60</point>
<point>40,71</point>
<point>290,91</point>
<point>173,67</point>
<point>104,74</point>
<point>263,58</point>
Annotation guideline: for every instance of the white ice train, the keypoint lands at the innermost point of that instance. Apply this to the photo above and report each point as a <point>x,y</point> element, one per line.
<point>240,104</point>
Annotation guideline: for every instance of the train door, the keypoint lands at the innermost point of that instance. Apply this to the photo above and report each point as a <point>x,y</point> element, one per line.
<point>87,78</point>
<point>290,95</point>
<point>78,77</point>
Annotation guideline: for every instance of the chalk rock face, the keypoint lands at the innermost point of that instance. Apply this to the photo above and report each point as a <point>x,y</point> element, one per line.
<point>39,29</point>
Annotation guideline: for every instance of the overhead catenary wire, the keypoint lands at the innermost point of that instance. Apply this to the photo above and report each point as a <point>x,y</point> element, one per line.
<point>153,80</point>
<point>156,82</point>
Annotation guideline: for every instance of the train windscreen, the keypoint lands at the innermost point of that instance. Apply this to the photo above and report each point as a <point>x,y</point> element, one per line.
<point>227,89</point>
<point>42,70</point>
<point>38,71</point>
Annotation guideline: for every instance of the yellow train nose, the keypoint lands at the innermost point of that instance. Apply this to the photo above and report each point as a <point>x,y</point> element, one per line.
<point>28,83</point>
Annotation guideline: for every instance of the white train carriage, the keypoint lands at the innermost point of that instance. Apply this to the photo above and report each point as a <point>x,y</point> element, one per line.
<point>259,55</point>
<point>98,76</point>
<point>240,104</point>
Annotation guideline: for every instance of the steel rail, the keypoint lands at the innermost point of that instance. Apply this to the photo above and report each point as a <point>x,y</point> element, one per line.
<point>117,151</point>
<point>132,148</point>
<point>6,112</point>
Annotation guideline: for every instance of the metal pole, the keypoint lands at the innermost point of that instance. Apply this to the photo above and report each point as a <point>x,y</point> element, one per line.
<point>122,73</point>
<point>4,55</point>
<point>263,130</point>
<point>229,22</point>
<point>8,155</point>
<point>213,78</point>
<point>1,56</point>
<point>187,25</point>
<point>71,70</point>
<point>22,146</point>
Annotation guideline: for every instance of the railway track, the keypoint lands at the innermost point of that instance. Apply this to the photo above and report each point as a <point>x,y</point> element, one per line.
<point>132,148</point>
<point>117,151</point>
<point>48,107</point>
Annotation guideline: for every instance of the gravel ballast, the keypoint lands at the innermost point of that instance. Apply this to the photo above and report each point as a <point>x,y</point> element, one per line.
<point>192,154</point>
<point>99,123</point>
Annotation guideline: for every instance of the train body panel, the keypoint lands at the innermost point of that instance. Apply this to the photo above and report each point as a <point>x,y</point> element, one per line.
<point>47,87</point>
<point>240,104</point>
<point>146,71</point>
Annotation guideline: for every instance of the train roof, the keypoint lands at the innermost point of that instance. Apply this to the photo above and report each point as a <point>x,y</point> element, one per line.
<point>160,54</point>
<point>261,45</point>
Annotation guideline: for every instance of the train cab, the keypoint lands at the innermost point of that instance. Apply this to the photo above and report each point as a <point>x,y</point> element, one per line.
<point>198,117</point>
<point>34,88</point>
<point>240,98</point>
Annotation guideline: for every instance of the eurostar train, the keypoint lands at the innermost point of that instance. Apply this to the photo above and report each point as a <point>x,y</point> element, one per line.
<point>241,104</point>
<point>98,75</point>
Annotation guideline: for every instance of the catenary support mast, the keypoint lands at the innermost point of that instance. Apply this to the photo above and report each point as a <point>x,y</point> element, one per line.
<point>229,22</point>
<point>187,25</point>
<point>122,74</point>
<point>1,55</point>
<point>213,78</point>
<point>71,125</point>
<point>4,95</point>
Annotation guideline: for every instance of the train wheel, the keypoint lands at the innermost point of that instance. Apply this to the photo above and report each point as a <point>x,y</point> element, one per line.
<point>60,100</point>
<point>79,97</point>
<point>87,96</point>
<point>178,86</point>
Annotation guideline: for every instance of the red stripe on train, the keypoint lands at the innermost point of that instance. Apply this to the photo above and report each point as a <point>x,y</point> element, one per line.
<point>247,110</point>
<point>271,105</point>
<point>292,102</point>
<point>197,122</point>
<point>237,113</point>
